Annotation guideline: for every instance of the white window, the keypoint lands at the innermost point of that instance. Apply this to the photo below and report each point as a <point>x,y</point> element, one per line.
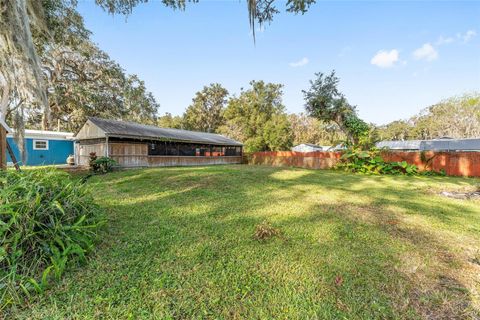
<point>40,144</point>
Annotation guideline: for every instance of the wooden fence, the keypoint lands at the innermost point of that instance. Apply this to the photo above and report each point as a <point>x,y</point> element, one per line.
<point>454,163</point>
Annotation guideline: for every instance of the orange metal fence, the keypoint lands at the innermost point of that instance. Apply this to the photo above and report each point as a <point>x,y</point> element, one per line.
<point>454,163</point>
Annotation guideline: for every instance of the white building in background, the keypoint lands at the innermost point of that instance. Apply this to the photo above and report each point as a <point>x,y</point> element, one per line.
<point>308,147</point>
<point>432,145</point>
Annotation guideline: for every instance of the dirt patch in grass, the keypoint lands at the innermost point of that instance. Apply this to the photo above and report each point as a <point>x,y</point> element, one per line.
<point>443,282</point>
<point>442,279</point>
<point>461,195</point>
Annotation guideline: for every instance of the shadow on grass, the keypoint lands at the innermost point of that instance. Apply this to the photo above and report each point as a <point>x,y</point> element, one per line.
<point>180,245</point>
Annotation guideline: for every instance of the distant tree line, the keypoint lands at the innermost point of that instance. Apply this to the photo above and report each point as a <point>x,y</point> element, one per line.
<point>257,117</point>
<point>47,61</point>
<point>456,117</point>
<point>81,80</point>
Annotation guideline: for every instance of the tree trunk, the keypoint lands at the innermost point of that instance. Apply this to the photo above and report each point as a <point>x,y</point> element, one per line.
<point>339,120</point>
<point>3,148</point>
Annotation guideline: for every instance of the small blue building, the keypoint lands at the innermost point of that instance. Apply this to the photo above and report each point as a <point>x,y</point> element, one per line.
<point>43,147</point>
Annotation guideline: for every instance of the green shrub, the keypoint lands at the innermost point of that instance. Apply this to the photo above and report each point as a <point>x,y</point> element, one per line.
<point>371,162</point>
<point>93,162</point>
<point>105,164</point>
<point>102,164</point>
<point>47,221</point>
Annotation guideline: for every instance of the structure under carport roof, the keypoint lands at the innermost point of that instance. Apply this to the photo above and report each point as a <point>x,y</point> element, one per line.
<point>132,144</point>
<point>432,145</point>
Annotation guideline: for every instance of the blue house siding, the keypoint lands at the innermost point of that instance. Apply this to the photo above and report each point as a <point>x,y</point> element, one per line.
<point>57,153</point>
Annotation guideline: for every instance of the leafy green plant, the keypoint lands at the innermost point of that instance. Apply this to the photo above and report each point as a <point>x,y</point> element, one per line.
<point>92,162</point>
<point>371,162</point>
<point>47,220</point>
<point>104,164</point>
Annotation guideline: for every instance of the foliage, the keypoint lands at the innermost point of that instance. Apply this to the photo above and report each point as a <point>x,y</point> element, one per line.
<point>102,164</point>
<point>184,248</point>
<point>259,11</point>
<point>78,78</point>
<point>325,102</point>
<point>31,28</point>
<point>169,121</point>
<point>396,130</point>
<point>307,129</point>
<point>456,117</point>
<point>206,111</point>
<point>371,161</point>
<point>84,81</point>
<point>92,162</point>
<point>358,160</point>
<point>358,129</point>
<point>257,118</point>
<point>20,71</point>
<point>47,221</point>
<point>277,133</point>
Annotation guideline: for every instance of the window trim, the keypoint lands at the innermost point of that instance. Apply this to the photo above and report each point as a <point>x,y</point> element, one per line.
<point>40,140</point>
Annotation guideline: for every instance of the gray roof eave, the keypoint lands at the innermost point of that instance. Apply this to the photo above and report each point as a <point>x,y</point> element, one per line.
<point>115,135</point>
<point>126,129</point>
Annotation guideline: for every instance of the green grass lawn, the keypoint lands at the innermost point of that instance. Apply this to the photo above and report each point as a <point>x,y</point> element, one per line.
<point>179,245</point>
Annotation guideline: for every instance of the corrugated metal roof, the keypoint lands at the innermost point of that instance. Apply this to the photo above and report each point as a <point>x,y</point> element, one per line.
<point>114,128</point>
<point>451,145</point>
<point>308,147</point>
<point>42,134</point>
<point>433,145</point>
<point>400,145</point>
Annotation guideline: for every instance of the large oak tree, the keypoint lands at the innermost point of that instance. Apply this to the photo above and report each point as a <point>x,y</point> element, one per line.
<point>325,102</point>
<point>257,118</point>
<point>206,111</point>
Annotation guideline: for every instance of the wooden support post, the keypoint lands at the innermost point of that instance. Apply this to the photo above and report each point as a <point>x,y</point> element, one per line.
<point>3,148</point>
<point>107,154</point>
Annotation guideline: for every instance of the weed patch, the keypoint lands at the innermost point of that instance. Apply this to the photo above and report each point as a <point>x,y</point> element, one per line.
<point>47,221</point>
<point>265,231</point>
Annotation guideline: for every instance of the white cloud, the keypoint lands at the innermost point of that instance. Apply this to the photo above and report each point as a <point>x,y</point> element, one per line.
<point>444,40</point>
<point>385,59</point>
<point>467,36</point>
<point>426,52</point>
<point>300,63</point>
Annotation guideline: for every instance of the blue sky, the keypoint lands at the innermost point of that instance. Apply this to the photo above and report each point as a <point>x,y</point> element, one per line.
<point>393,58</point>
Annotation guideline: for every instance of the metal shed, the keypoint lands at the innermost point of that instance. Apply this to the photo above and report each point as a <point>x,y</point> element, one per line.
<point>433,145</point>
<point>309,147</point>
<point>408,145</point>
<point>451,145</point>
<point>137,145</point>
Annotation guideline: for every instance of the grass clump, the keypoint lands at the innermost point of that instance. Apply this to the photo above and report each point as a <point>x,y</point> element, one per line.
<point>265,231</point>
<point>46,221</point>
